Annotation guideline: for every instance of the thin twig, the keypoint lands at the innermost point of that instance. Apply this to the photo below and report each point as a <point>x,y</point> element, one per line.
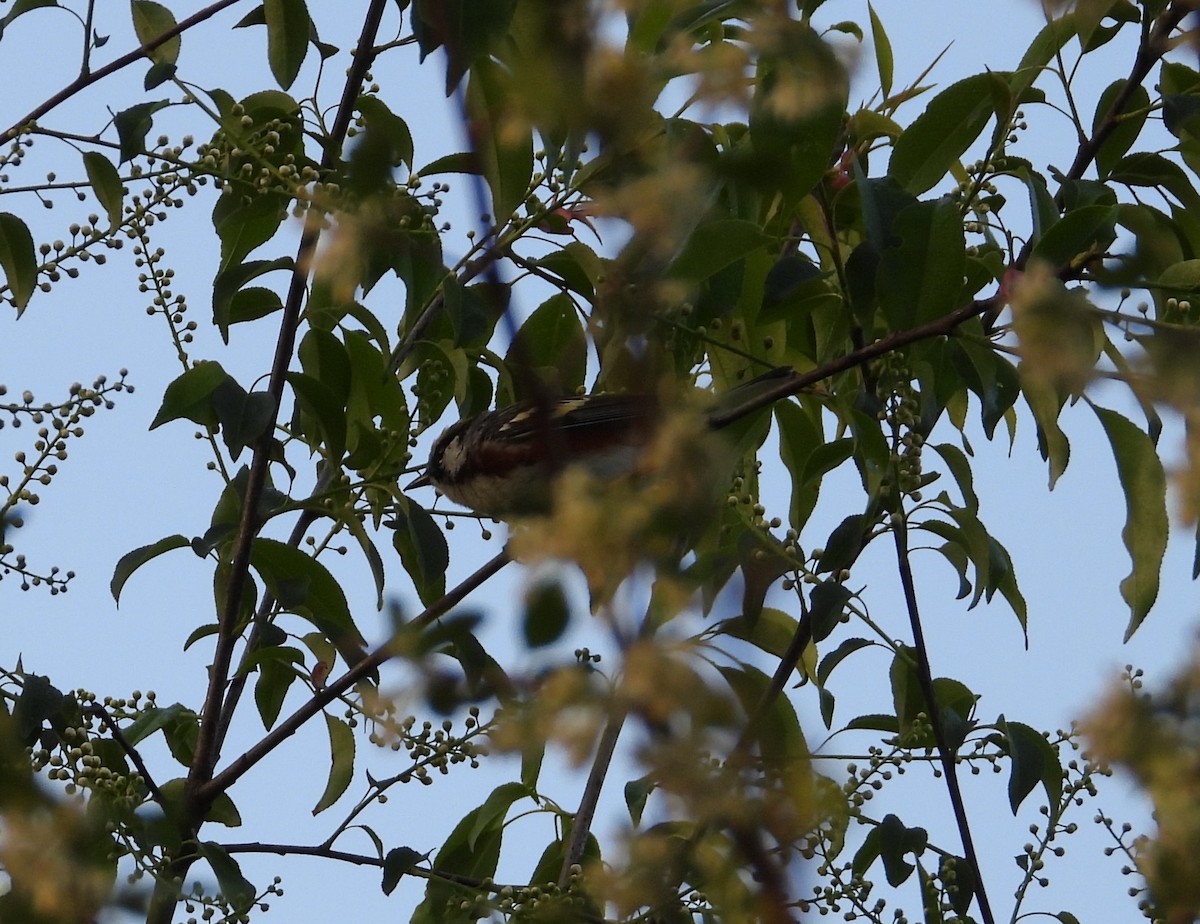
<point>124,744</point>
<point>925,678</point>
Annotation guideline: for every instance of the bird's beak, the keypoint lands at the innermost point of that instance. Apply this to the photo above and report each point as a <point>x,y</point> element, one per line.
<point>422,482</point>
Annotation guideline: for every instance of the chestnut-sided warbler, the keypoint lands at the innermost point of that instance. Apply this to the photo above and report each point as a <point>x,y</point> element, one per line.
<point>503,463</point>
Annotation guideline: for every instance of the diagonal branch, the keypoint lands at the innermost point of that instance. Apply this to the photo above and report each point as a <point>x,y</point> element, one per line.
<point>323,697</point>
<point>87,78</point>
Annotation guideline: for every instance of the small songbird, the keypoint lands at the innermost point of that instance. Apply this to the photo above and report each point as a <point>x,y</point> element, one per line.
<point>503,463</point>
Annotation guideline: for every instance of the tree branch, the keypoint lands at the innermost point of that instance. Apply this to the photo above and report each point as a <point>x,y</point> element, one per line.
<point>207,744</point>
<point>925,677</point>
<point>227,777</point>
<point>86,78</point>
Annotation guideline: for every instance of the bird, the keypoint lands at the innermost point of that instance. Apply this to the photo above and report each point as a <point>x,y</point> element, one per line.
<point>503,464</point>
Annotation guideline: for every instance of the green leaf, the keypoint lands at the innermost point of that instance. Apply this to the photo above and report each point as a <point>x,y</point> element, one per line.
<point>243,226</point>
<point>771,630</point>
<point>843,545</point>
<point>1046,404</point>
<point>17,259</point>
<point>302,585</point>
<point>940,135</point>
<point>189,396</point>
<point>504,145</point>
<point>235,888</point>
<point>133,124</point>
<point>920,277</point>
<point>467,29</point>
<point>243,417</point>
<point>131,561</point>
<point>1085,231</point>
<point>320,414</point>
<point>827,603</point>
<point>549,353</point>
<point>1140,471</point>
<point>800,442</point>
<point>227,287</point>
<point>150,20</point>
<point>960,467</point>
<point>106,185</point>
<point>469,851</point>
<point>224,812</point>
<point>276,674</point>
<point>546,614</point>
<point>288,29</point>
<point>891,840</point>
<point>341,767</point>
<point>1127,129</point>
<point>780,738</point>
<point>637,792</point>
<point>398,862</point>
<point>151,720</point>
<point>1034,761</point>
<point>883,52</point>
<point>716,245</point>
<point>390,132</point>
<point>423,550</point>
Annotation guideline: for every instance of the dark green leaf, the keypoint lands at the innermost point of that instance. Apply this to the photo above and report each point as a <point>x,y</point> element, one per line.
<point>1045,404</point>
<point>714,246</point>
<point>320,413</point>
<point>891,840</point>
<point>1034,761</point>
<point>1145,534</point>
<point>17,259</point>
<point>843,545</point>
<point>883,52</point>
<point>189,396</point>
<point>942,133</point>
<point>771,631</point>
<point>131,561</point>
<point>546,614</point>
<point>276,674</point>
<point>288,29</point>
<point>839,654</point>
<point>399,860</point>
<point>960,467</point>
<point>150,20</point>
<point>780,738</point>
<point>827,603</point>
<point>467,29</point>
<point>423,550</point>
<point>920,277</point>
<point>1127,129</point>
<point>106,185</point>
<point>341,767</point>
<point>235,888</point>
<point>549,353</point>
<point>243,226</point>
<point>636,793</point>
<point>133,124</point>
<point>243,417</point>
<point>304,586</point>
<point>1084,231</point>
<point>384,125</point>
